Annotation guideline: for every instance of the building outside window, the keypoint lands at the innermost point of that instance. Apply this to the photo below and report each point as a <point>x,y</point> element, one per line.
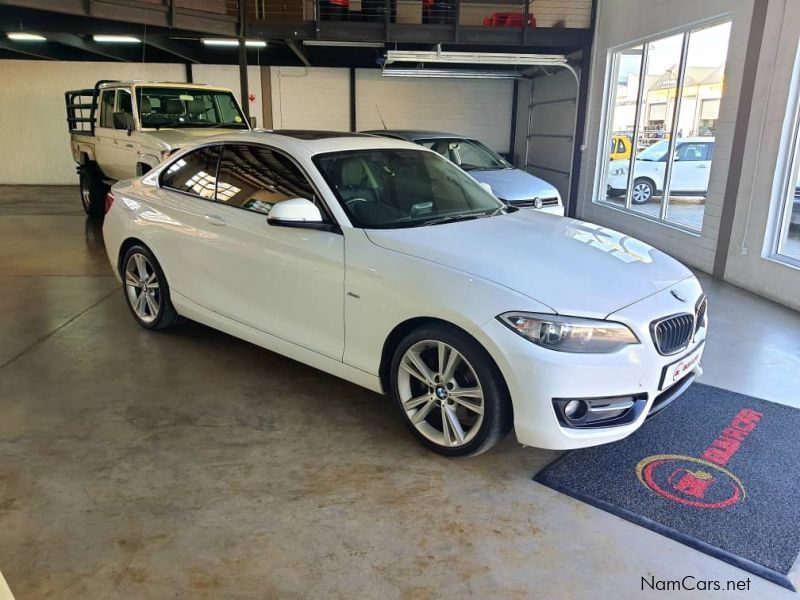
<point>665,98</point>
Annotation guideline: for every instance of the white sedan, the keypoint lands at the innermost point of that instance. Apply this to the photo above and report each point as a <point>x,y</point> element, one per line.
<point>691,168</point>
<point>384,264</point>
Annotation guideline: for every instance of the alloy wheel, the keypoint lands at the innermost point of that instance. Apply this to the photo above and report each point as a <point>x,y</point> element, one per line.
<point>440,393</point>
<point>142,288</point>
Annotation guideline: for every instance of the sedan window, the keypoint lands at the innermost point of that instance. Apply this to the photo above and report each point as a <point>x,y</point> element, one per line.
<point>194,173</point>
<point>256,178</point>
<point>403,188</point>
<point>470,155</point>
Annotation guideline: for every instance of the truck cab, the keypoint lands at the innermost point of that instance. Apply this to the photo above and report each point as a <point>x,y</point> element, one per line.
<point>123,129</point>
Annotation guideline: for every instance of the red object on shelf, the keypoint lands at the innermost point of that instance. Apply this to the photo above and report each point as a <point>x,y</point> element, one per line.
<point>508,19</point>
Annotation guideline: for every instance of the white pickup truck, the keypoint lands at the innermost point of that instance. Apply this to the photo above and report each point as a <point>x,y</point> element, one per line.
<point>121,129</point>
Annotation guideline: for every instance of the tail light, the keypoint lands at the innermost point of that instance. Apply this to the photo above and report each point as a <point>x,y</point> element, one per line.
<point>109,202</point>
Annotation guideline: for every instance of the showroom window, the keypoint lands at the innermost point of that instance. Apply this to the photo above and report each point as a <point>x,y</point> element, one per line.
<point>787,238</point>
<point>664,102</point>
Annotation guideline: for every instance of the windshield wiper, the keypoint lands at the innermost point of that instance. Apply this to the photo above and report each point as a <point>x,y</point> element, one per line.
<point>462,217</point>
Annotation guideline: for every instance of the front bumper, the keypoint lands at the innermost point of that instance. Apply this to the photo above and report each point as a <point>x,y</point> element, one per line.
<point>536,376</point>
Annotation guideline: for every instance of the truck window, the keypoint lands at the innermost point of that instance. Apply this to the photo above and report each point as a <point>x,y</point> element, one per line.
<point>124,104</point>
<point>188,107</point>
<point>107,109</point>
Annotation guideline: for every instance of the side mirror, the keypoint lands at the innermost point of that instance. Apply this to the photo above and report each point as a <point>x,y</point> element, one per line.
<point>297,212</point>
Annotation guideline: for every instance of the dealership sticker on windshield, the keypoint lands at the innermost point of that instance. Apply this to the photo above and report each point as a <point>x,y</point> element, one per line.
<point>678,370</point>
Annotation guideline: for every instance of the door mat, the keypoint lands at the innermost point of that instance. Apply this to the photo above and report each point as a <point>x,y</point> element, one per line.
<point>716,470</point>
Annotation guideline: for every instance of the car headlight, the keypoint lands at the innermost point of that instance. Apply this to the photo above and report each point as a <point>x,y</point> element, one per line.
<point>569,334</point>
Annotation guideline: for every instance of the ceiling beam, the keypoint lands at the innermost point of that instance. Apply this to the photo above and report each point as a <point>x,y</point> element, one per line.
<point>30,49</point>
<point>297,51</point>
<point>165,44</point>
<point>75,41</point>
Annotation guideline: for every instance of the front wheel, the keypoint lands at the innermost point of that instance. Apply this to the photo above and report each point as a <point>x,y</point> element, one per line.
<point>643,191</point>
<point>93,190</point>
<point>449,391</point>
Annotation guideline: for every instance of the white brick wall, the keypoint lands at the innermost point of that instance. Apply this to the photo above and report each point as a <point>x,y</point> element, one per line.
<point>766,141</point>
<point>479,108</point>
<point>314,98</point>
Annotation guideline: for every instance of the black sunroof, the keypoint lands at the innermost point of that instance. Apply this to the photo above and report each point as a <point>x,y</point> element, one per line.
<point>302,134</point>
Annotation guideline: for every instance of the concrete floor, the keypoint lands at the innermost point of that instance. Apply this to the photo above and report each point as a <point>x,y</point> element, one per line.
<point>191,464</point>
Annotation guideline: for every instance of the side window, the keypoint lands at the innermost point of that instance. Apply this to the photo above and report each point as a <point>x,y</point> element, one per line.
<point>256,178</point>
<point>693,152</point>
<point>107,109</point>
<point>194,173</point>
<point>124,106</point>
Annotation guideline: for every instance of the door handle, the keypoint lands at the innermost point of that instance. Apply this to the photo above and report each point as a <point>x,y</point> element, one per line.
<point>215,220</point>
<point>129,145</point>
<point>702,166</point>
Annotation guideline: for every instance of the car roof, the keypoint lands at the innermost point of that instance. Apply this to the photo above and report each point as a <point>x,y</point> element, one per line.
<point>308,142</point>
<point>414,134</point>
<point>310,134</point>
<point>161,84</point>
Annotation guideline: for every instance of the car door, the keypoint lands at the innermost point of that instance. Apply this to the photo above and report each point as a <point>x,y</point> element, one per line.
<point>177,218</point>
<point>105,148</point>
<point>125,151</point>
<point>285,281</point>
<point>691,167</point>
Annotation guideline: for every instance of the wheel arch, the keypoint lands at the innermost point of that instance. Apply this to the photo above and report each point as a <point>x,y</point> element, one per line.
<point>402,329</point>
<point>126,245</point>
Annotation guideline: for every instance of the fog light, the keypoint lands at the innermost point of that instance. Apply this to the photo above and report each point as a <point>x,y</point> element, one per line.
<point>575,409</point>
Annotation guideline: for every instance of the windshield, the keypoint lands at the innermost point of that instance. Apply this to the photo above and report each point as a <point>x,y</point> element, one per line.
<point>392,188</point>
<point>470,155</point>
<point>655,153</point>
<point>188,107</point>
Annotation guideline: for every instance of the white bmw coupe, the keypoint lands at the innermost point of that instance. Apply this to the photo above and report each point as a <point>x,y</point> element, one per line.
<point>384,264</point>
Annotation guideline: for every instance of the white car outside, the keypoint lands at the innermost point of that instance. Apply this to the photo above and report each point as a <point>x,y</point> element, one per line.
<point>690,170</point>
<point>384,264</point>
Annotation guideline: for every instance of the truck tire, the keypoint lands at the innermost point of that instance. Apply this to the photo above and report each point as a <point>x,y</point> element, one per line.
<point>93,190</point>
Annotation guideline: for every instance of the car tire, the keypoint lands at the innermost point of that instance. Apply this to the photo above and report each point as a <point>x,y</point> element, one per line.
<point>146,290</point>
<point>643,191</point>
<point>458,409</point>
<point>93,190</point>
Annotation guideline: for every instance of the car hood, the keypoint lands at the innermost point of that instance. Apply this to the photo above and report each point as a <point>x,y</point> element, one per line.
<point>514,184</point>
<point>169,139</point>
<point>575,268</point>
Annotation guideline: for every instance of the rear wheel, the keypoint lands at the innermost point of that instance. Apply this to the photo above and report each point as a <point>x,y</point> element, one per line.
<point>93,190</point>
<point>146,290</point>
<point>449,391</point>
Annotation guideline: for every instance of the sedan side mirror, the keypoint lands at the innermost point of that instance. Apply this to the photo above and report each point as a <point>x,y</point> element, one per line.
<point>297,212</point>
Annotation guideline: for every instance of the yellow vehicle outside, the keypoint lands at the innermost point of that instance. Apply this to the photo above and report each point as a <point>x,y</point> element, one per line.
<point>620,147</point>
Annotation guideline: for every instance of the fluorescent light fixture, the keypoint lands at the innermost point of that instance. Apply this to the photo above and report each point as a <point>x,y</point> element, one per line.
<point>473,58</point>
<point>116,39</point>
<point>233,43</point>
<point>333,43</point>
<point>21,36</point>
<point>452,74</point>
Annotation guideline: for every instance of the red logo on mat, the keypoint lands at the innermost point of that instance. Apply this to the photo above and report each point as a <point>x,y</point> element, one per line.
<point>701,482</point>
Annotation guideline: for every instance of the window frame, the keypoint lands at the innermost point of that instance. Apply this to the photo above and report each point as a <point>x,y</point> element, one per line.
<point>327,215</point>
<point>606,121</point>
<point>786,175</point>
<point>101,118</point>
